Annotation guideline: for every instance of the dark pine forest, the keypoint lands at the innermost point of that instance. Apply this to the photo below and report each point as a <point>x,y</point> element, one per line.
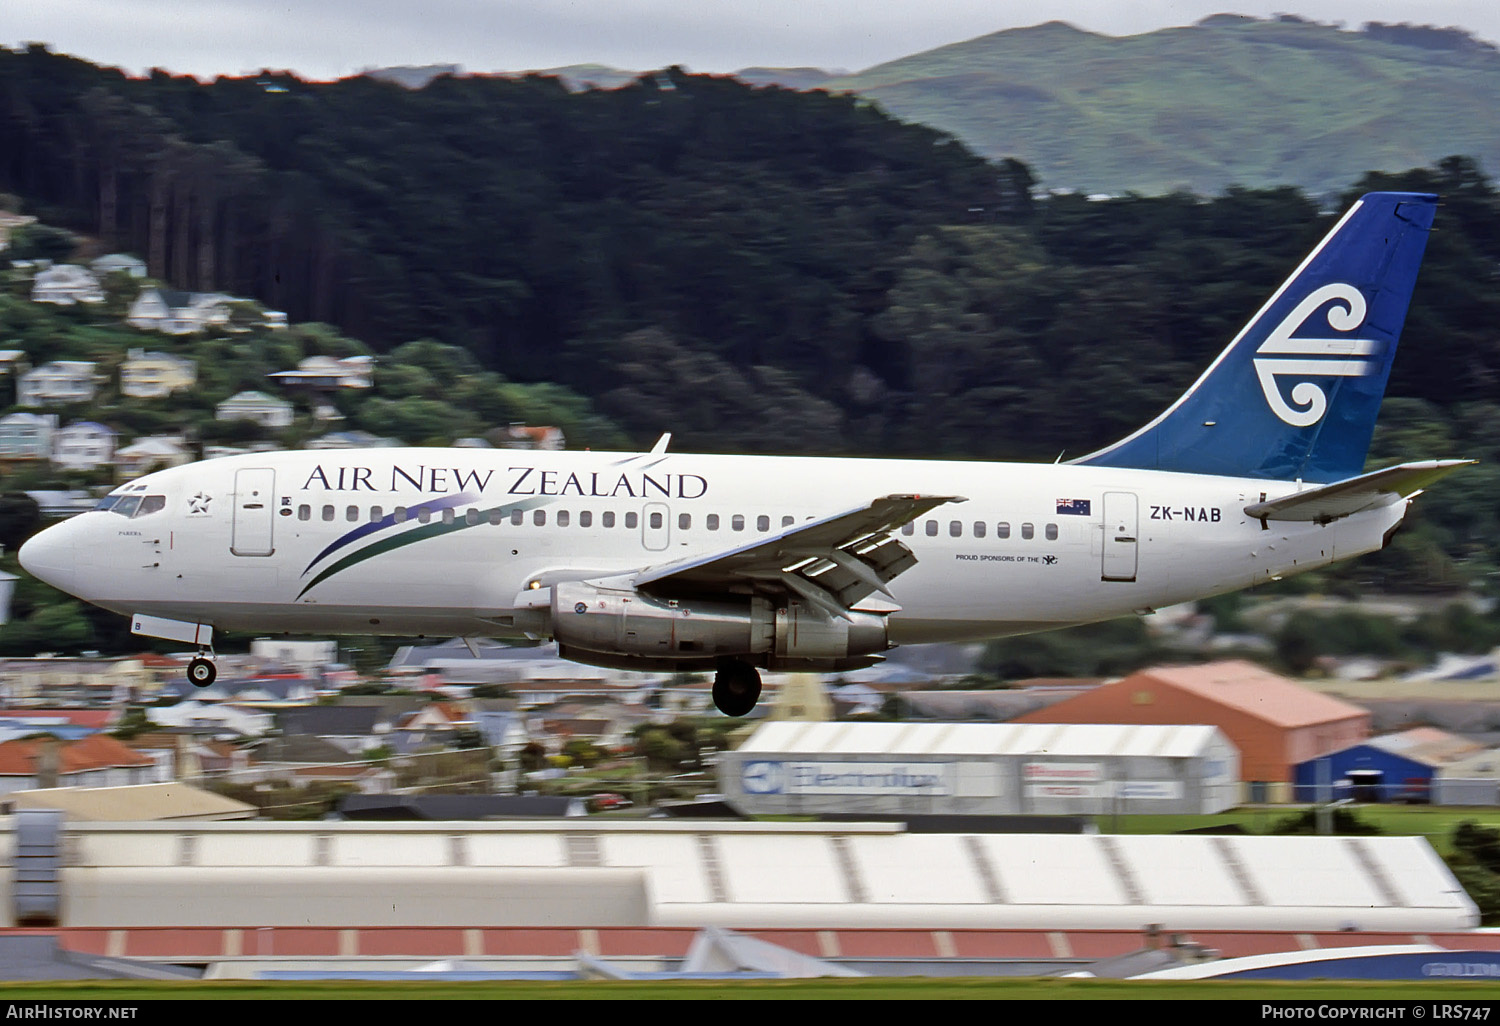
<point>753,268</point>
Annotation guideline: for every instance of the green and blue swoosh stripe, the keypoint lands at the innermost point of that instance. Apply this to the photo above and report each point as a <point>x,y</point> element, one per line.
<point>418,533</point>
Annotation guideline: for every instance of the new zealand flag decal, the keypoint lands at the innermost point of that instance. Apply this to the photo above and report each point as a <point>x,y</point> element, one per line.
<point>1074,507</point>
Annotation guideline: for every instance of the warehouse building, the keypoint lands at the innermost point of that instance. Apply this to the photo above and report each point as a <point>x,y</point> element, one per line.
<point>1274,723</point>
<point>1390,768</point>
<point>980,769</point>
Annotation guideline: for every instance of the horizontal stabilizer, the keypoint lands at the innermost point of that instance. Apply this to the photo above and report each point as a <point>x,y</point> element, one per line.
<point>1327,503</point>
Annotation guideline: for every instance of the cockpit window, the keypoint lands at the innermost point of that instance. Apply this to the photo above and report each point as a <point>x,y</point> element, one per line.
<point>127,505</point>
<point>108,501</point>
<point>150,504</point>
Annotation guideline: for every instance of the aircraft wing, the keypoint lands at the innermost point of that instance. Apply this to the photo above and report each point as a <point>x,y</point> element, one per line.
<point>833,562</point>
<point>1327,503</point>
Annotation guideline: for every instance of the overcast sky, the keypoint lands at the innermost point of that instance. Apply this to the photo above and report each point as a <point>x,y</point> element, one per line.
<point>332,38</point>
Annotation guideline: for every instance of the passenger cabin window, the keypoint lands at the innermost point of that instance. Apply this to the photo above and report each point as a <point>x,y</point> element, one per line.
<point>656,521</point>
<point>399,515</point>
<point>1052,532</point>
<point>979,528</point>
<point>424,515</point>
<point>1002,530</point>
<point>931,528</point>
<point>448,516</point>
<point>788,521</point>
<point>607,518</point>
<point>497,517</point>
<point>1028,532</point>
<point>585,518</point>
<point>472,517</point>
<point>351,514</point>
<point>737,522</point>
<point>713,522</point>
<point>304,512</point>
<point>563,518</point>
<point>376,513</point>
<point>955,529</point>
<point>517,517</point>
<point>762,523</point>
<point>909,528</point>
<point>328,512</point>
<point>684,521</point>
<point>539,517</point>
<point>632,520</point>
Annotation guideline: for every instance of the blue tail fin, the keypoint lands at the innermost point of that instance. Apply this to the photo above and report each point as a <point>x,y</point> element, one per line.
<point>1296,394</point>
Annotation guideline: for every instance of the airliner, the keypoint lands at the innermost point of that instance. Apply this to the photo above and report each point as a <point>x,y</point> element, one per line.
<point>667,561</point>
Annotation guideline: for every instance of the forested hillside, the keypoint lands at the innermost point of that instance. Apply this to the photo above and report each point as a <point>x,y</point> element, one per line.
<point>754,269</point>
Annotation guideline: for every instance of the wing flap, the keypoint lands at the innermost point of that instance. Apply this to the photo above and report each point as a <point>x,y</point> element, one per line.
<point>842,558</point>
<point>1327,503</point>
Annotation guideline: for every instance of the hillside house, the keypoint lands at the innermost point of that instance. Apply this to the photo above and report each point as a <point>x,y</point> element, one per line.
<point>57,383</point>
<point>265,410</point>
<point>178,313</point>
<point>27,436</point>
<point>65,285</point>
<point>83,445</point>
<point>328,373</point>
<point>119,263</point>
<point>153,452</point>
<point>148,375</point>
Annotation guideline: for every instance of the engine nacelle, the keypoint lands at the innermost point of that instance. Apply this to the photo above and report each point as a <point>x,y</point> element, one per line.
<point>605,620</point>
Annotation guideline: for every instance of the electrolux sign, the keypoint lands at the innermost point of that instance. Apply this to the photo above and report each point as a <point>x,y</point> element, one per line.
<point>848,778</point>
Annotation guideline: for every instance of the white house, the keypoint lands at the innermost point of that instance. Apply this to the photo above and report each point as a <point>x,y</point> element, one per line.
<point>66,284</point>
<point>27,436</point>
<point>151,453</point>
<point>328,372</point>
<point>178,313</point>
<point>83,445</point>
<point>266,410</point>
<point>57,383</point>
<point>119,263</point>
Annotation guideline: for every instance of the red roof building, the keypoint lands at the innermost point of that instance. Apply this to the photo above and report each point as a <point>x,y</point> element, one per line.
<point>94,761</point>
<point>1275,722</point>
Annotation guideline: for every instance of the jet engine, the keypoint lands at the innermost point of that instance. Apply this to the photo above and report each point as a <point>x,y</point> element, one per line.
<point>628,628</point>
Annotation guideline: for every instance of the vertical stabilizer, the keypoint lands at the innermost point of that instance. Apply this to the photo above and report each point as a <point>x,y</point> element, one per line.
<point>1296,393</point>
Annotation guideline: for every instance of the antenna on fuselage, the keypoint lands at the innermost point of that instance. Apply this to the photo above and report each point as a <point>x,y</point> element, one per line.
<point>661,444</point>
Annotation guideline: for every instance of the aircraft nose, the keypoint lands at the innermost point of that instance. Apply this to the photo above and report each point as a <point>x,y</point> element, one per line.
<point>51,556</point>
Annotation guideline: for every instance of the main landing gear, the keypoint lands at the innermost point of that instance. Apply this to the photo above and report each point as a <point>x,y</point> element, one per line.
<point>736,687</point>
<point>202,672</point>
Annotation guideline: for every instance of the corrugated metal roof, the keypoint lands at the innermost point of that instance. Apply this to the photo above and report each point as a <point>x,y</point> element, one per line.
<point>1253,690</point>
<point>1086,739</point>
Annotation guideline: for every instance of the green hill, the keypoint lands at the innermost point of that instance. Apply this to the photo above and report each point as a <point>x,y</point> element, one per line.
<point>1231,100</point>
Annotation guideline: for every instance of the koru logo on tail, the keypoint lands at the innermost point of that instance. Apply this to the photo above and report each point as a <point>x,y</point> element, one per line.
<point>1316,357</point>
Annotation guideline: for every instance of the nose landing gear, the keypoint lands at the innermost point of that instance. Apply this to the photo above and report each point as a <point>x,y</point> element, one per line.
<point>202,672</point>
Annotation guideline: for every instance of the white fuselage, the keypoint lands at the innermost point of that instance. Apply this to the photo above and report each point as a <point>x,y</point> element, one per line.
<point>312,542</point>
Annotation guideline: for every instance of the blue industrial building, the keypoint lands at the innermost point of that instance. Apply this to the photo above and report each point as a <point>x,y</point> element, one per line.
<point>1390,768</point>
